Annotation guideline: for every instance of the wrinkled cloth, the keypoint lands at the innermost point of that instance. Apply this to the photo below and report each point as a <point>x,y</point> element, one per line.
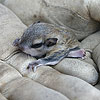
<point>70,79</point>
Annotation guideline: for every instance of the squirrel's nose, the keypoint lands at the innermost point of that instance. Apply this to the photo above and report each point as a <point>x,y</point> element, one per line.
<point>16,42</point>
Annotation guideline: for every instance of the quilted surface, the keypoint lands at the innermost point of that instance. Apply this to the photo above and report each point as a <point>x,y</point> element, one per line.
<point>71,79</point>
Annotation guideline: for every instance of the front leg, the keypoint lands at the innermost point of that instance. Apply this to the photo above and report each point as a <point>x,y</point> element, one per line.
<point>49,60</point>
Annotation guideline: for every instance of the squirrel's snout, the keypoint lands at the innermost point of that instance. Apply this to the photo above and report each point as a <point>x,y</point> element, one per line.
<point>16,42</point>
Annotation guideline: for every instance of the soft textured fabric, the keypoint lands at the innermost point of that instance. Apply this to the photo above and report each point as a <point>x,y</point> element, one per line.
<point>68,80</point>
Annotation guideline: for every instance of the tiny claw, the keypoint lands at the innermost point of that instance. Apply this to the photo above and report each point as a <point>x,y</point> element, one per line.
<point>28,67</point>
<point>32,67</point>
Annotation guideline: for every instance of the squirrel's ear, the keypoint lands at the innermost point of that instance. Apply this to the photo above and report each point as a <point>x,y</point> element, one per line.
<point>50,42</point>
<point>16,42</point>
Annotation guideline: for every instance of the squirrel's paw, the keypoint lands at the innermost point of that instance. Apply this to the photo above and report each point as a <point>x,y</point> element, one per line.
<point>33,66</point>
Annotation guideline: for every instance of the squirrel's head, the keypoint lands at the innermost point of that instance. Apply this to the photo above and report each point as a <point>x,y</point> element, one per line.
<point>37,47</point>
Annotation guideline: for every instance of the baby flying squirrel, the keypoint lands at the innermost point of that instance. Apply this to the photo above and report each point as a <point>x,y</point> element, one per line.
<point>55,42</point>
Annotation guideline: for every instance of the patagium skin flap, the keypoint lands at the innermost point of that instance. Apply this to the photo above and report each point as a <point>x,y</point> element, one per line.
<point>55,42</point>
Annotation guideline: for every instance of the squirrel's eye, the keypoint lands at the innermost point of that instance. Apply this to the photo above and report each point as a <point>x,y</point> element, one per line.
<point>51,42</point>
<point>38,45</point>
